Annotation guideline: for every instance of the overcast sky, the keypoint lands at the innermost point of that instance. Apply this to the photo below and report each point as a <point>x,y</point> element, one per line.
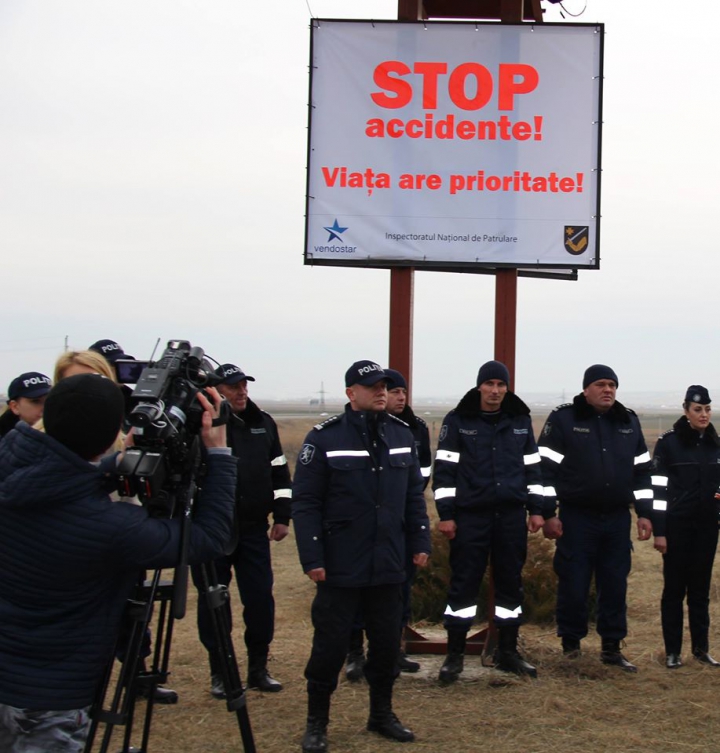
<point>152,185</point>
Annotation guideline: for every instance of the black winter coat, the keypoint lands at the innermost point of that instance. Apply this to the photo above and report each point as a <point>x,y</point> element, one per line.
<point>69,559</point>
<point>263,476</point>
<point>358,500</point>
<point>597,461</point>
<point>686,476</point>
<point>480,464</point>
<point>419,429</point>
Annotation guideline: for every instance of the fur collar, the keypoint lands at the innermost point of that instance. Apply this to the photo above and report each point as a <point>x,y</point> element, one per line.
<point>689,437</point>
<point>583,410</point>
<point>409,417</point>
<point>512,405</point>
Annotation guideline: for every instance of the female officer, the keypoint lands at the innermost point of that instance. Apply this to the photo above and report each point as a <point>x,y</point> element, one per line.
<point>686,475</point>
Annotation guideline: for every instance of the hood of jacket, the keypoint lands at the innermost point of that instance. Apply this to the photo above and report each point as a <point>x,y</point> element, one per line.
<point>36,470</point>
<point>584,410</point>
<point>689,436</point>
<point>469,405</point>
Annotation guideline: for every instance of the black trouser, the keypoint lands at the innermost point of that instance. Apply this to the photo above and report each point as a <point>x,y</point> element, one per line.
<point>599,544</point>
<point>254,578</point>
<point>687,570</point>
<point>333,613</point>
<point>500,534</point>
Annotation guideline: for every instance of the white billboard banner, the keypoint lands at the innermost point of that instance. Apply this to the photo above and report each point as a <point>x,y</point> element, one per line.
<point>454,144</point>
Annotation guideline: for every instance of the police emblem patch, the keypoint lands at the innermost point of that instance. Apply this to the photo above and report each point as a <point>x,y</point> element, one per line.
<point>307,453</point>
<point>576,239</point>
<point>547,429</point>
<point>443,432</point>
<point>696,397</point>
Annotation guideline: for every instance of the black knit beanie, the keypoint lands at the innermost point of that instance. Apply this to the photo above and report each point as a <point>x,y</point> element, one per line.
<point>493,370</point>
<point>599,371</point>
<point>84,413</point>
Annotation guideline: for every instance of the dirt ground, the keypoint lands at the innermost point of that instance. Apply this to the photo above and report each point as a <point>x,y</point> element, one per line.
<point>574,705</point>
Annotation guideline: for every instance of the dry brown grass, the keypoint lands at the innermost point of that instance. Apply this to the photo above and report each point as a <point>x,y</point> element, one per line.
<point>574,706</point>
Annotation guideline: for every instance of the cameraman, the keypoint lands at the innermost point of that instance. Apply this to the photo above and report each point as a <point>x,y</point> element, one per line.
<point>70,558</point>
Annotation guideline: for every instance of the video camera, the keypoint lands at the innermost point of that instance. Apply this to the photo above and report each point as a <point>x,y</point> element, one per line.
<point>167,418</point>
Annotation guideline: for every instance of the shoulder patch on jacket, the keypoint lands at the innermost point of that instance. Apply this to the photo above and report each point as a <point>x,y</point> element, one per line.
<point>564,405</point>
<point>328,422</point>
<point>630,411</point>
<point>421,421</point>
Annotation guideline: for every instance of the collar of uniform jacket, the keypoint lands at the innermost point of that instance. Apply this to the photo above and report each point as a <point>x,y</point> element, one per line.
<point>583,409</point>
<point>470,404</point>
<point>689,437</point>
<point>252,415</point>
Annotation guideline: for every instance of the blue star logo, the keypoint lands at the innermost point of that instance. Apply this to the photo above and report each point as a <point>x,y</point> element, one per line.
<point>335,231</point>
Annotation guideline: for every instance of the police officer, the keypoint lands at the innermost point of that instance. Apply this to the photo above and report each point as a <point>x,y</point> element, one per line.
<point>398,406</point>
<point>263,487</point>
<point>358,501</point>
<point>686,477</point>
<point>595,464</point>
<point>26,399</point>
<point>487,474</point>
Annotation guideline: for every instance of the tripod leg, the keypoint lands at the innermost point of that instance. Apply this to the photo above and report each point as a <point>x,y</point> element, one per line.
<point>216,597</point>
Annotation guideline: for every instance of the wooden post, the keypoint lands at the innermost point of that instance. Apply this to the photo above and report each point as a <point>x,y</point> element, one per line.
<point>402,279</point>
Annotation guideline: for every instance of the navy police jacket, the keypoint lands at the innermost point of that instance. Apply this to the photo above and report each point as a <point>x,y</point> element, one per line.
<point>482,462</point>
<point>263,477</point>
<point>686,476</point>
<point>358,500</point>
<point>596,461</point>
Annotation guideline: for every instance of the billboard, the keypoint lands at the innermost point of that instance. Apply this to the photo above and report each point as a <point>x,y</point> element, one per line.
<point>444,145</point>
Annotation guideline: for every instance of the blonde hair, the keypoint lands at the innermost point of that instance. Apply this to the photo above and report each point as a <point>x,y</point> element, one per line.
<point>87,358</point>
<point>90,360</point>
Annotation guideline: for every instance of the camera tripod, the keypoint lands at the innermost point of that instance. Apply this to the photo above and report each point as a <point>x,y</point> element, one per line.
<point>136,679</point>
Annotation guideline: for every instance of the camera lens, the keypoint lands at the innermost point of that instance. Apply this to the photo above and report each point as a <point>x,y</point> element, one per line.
<point>145,414</point>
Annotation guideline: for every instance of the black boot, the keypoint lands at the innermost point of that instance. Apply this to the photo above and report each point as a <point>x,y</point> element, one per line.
<point>571,647</point>
<point>382,719</point>
<point>454,661</point>
<point>355,662</point>
<point>507,657</point>
<point>612,656</point>
<point>258,676</point>
<point>407,665</point>
<point>701,655</point>
<point>315,737</point>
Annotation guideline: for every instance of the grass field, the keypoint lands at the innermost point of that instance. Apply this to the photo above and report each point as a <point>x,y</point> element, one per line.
<point>574,705</point>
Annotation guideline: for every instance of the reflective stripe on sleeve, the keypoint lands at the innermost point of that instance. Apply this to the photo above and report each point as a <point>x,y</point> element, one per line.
<point>446,492</point>
<point>535,489</point>
<point>348,454</point>
<point>643,493</point>
<point>659,504</point>
<point>425,471</point>
<point>400,450</point>
<point>549,491</point>
<point>659,480</point>
<point>451,457</point>
<point>532,458</point>
<point>546,452</point>
<point>465,613</point>
<point>279,460</point>
<point>644,458</point>
<point>507,614</point>
<point>282,494</point>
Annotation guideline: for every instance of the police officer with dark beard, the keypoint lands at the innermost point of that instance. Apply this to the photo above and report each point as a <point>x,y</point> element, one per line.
<point>263,487</point>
